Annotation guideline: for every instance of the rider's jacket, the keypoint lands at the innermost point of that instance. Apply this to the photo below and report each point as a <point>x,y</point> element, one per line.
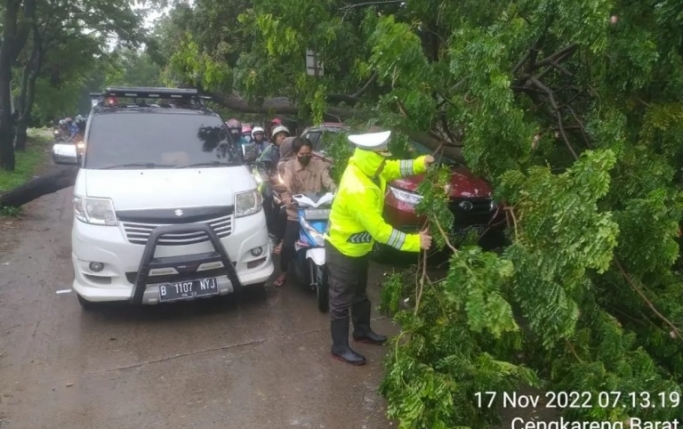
<point>356,217</point>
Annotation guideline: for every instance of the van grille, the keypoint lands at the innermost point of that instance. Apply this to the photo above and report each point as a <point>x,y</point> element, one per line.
<point>138,233</point>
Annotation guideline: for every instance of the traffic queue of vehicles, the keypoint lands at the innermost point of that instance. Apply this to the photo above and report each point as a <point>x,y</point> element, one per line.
<point>151,225</point>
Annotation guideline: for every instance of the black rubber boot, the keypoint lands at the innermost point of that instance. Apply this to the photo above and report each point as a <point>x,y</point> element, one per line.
<point>361,325</point>
<point>340,343</point>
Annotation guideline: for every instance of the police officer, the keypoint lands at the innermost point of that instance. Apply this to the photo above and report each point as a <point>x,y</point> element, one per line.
<point>355,221</point>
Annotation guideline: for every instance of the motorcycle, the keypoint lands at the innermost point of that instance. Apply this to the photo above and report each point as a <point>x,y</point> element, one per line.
<point>58,135</point>
<point>309,260</point>
<point>270,186</point>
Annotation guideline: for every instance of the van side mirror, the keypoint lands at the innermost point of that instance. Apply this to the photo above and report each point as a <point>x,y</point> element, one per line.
<point>65,154</point>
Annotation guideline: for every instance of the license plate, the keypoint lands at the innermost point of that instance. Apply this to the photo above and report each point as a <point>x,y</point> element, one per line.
<point>188,289</point>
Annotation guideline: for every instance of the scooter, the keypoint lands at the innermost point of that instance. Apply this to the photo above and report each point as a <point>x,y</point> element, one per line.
<point>270,186</point>
<point>309,260</point>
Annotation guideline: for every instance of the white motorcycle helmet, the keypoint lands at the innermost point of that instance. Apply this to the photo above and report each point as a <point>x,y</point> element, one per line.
<point>280,129</point>
<point>257,130</point>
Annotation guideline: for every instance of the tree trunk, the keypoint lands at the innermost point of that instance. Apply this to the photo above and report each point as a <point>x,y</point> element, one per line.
<point>21,134</point>
<point>7,160</point>
<point>28,91</point>
<point>32,69</point>
<point>13,40</point>
<point>283,105</point>
<point>49,183</point>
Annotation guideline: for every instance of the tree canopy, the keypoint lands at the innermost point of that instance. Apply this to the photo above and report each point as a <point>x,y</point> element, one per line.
<point>51,50</point>
<point>572,110</point>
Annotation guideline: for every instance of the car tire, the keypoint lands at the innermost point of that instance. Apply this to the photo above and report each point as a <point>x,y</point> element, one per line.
<point>88,305</point>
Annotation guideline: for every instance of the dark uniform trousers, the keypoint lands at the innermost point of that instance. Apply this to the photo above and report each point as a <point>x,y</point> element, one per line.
<point>348,288</point>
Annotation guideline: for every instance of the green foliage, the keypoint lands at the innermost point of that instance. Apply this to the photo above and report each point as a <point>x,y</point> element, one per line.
<point>340,151</point>
<point>572,110</point>
<point>28,163</point>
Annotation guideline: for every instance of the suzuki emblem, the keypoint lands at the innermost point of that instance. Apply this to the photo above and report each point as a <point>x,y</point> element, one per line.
<point>466,205</point>
<point>178,212</point>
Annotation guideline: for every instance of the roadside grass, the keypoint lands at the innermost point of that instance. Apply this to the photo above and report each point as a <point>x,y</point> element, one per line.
<point>27,164</point>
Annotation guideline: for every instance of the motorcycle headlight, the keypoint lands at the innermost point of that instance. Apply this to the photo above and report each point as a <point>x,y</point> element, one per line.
<point>405,196</point>
<point>96,211</point>
<point>248,203</point>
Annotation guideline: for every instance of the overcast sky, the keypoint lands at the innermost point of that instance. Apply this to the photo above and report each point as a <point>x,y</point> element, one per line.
<point>153,16</point>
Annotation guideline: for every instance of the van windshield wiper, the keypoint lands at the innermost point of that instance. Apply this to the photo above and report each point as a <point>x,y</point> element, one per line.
<point>147,165</point>
<point>203,164</point>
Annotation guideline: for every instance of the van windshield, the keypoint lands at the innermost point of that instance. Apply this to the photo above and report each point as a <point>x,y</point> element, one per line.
<point>158,140</point>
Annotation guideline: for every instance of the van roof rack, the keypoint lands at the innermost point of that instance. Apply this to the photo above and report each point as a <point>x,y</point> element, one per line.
<point>152,92</point>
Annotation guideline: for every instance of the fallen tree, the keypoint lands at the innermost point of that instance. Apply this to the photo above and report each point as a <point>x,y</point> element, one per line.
<point>51,182</point>
<point>285,106</point>
<point>64,177</point>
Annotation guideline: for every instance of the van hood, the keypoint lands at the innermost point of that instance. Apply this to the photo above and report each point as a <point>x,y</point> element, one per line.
<point>464,184</point>
<point>166,188</point>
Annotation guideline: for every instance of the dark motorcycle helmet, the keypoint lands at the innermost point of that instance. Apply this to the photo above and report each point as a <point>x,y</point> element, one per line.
<point>235,129</point>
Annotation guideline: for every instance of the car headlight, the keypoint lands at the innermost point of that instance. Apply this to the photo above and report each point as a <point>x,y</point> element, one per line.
<point>405,196</point>
<point>248,203</point>
<point>96,211</point>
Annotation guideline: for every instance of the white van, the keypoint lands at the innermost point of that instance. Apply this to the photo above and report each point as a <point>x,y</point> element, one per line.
<point>164,209</point>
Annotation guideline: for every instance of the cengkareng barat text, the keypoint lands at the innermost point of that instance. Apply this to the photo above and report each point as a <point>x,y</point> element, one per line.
<point>631,423</point>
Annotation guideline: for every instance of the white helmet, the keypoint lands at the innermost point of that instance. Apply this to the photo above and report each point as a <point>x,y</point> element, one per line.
<point>257,130</point>
<point>280,129</point>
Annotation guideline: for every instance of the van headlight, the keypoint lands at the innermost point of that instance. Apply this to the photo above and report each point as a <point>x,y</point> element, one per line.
<point>248,203</point>
<point>405,196</point>
<point>96,211</point>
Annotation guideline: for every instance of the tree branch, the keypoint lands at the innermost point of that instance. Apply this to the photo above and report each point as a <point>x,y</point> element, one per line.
<point>371,3</point>
<point>634,286</point>
<point>353,98</point>
<point>558,56</point>
<point>556,109</point>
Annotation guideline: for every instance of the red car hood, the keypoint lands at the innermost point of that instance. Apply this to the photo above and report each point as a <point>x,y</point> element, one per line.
<point>464,184</point>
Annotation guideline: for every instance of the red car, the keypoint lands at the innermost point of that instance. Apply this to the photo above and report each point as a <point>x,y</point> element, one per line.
<point>471,199</point>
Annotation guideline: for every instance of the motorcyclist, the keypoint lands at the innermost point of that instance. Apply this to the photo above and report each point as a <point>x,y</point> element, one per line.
<point>58,129</point>
<point>235,129</point>
<point>259,138</point>
<point>270,157</point>
<point>73,127</point>
<point>278,215</point>
<point>246,133</point>
<point>301,175</point>
<point>272,152</point>
<point>274,123</point>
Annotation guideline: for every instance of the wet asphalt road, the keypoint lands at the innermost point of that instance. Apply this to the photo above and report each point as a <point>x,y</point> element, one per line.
<point>251,361</point>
